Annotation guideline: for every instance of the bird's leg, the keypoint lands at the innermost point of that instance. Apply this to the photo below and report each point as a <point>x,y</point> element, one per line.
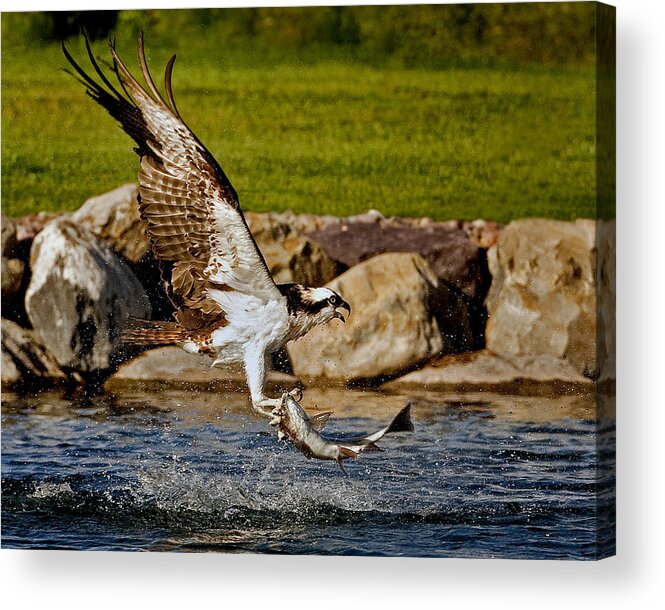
<point>256,378</point>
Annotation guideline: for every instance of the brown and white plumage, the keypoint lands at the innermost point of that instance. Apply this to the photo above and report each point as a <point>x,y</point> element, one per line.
<point>227,303</point>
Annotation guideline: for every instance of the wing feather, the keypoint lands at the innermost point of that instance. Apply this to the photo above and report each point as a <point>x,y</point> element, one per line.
<point>168,75</point>
<point>191,209</point>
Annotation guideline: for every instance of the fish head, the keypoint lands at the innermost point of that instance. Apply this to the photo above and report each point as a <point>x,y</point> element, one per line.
<point>290,416</point>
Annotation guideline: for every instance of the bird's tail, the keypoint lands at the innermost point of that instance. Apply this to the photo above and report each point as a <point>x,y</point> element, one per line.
<point>152,332</point>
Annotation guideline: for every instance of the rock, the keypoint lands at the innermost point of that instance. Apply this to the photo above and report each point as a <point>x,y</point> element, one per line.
<point>12,274</point>
<point>543,301</point>
<point>484,371</point>
<point>15,271</point>
<point>9,240</point>
<point>483,233</point>
<point>548,369</point>
<point>79,295</point>
<point>607,291</point>
<point>10,374</point>
<point>298,223</point>
<point>175,366</point>
<point>452,256</point>
<point>25,361</point>
<point>498,277</point>
<point>114,218</point>
<point>401,315</point>
<point>15,277</point>
<point>449,252</point>
<point>290,255</point>
<point>472,370</point>
<point>29,226</point>
<point>371,216</point>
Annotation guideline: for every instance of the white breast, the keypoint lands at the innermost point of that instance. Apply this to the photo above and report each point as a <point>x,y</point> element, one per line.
<point>252,322</point>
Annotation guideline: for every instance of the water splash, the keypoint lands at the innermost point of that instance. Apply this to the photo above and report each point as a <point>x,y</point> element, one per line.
<point>464,484</point>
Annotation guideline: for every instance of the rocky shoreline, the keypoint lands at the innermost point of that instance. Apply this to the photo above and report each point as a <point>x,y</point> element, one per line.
<point>523,308</point>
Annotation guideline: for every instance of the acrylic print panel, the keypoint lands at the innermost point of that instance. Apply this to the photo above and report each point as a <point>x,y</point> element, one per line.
<point>403,215</point>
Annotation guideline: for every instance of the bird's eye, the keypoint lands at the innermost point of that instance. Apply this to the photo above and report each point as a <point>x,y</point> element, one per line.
<point>333,300</point>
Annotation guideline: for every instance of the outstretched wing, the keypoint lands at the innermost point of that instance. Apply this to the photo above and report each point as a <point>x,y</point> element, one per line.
<point>192,211</point>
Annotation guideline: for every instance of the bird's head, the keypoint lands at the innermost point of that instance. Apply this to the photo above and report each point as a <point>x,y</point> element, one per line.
<point>314,306</point>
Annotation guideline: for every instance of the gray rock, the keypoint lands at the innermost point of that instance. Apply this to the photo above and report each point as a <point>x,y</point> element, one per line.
<point>29,226</point>
<point>543,298</point>
<point>9,371</point>
<point>114,218</point>
<point>173,365</point>
<point>25,360</point>
<point>290,255</point>
<point>484,371</point>
<point>296,223</point>
<point>401,315</point>
<point>472,369</point>
<point>548,369</point>
<point>79,294</point>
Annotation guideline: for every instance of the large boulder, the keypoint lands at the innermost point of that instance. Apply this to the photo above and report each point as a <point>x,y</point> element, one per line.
<point>543,296</point>
<point>25,361</point>
<point>485,371</point>
<point>114,218</point>
<point>450,253</point>
<point>29,226</point>
<point>401,315</point>
<point>291,256</point>
<point>453,257</point>
<point>172,365</point>
<point>297,223</point>
<point>79,295</point>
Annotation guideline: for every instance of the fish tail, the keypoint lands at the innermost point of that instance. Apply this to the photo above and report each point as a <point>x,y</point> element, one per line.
<point>402,421</point>
<point>369,447</point>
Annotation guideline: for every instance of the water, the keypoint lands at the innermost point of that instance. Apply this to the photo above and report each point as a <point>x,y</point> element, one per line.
<point>176,470</point>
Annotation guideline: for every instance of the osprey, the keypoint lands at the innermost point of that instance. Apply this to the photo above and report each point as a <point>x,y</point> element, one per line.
<point>227,304</point>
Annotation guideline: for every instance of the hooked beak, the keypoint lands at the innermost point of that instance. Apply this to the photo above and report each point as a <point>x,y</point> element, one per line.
<point>344,305</point>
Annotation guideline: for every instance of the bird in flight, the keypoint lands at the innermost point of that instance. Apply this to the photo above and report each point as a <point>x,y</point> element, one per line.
<point>227,304</point>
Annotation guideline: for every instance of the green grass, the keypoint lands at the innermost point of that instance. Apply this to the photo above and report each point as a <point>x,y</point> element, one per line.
<point>318,135</point>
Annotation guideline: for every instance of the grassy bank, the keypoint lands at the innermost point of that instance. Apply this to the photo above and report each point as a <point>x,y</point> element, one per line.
<point>317,134</point>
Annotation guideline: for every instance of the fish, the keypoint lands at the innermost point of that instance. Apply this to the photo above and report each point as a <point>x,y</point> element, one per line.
<point>292,422</point>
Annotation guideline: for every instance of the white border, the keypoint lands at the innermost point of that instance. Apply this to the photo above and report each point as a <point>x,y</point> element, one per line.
<point>55,579</point>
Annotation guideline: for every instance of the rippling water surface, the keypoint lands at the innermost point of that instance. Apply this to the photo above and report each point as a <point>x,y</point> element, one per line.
<point>176,470</point>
